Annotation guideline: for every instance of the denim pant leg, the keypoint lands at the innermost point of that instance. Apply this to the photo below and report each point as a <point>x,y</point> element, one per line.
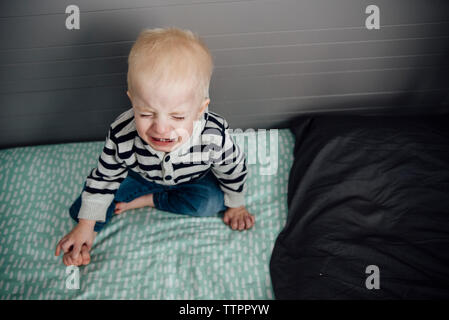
<point>132,187</point>
<point>201,198</point>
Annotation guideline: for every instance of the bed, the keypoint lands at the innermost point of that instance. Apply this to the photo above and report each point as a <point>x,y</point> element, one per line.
<point>368,209</point>
<point>143,253</point>
<point>347,207</point>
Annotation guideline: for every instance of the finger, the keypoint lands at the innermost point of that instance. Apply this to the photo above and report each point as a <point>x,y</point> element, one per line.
<point>58,249</point>
<point>76,251</point>
<point>85,255</point>
<point>77,261</point>
<point>88,246</point>
<point>68,260</point>
<point>74,261</point>
<point>58,246</point>
<point>65,246</point>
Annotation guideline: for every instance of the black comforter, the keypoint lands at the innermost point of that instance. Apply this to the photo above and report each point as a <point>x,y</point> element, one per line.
<point>368,201</point>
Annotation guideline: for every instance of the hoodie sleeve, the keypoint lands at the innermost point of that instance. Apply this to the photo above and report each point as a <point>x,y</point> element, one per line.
<point>229,166</point>
<point>102,182</point>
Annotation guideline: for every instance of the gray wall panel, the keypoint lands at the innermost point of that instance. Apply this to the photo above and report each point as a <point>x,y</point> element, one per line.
<point>48,7</point>
<point>213,18</point>
<point>79,77</point>
<point>63,101</point>
<point>236,57</point>
<point>274,60</point>
<point>119,49</point>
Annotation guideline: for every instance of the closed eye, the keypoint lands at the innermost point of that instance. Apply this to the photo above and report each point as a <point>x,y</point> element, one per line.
<point>150,115</point>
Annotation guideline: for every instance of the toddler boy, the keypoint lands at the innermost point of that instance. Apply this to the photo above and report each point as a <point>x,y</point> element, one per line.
<point>167,151</point>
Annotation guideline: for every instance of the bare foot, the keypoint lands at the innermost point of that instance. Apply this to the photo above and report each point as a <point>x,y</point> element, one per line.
<point>143,201</point>
<point>238,218</point>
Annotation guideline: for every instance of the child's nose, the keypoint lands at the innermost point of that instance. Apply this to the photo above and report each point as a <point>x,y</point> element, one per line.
<point>160,126</point>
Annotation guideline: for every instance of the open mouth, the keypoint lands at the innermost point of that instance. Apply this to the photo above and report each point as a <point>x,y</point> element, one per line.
<point>163,141</point>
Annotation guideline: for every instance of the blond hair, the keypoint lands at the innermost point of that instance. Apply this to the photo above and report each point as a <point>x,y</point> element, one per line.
<point>171,57</point>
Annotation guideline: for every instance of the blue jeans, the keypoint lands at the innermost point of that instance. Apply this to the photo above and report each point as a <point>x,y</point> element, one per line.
<point>200,198</point>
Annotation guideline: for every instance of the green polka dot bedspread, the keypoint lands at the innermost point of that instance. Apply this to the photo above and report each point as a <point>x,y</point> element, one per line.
<point>144,253</point>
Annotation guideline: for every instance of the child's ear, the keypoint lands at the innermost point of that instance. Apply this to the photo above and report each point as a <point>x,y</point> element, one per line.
<point>204,106</point>
<point>129,95</point>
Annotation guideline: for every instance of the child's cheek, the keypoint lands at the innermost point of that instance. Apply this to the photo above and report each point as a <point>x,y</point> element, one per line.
<point>184,130</point>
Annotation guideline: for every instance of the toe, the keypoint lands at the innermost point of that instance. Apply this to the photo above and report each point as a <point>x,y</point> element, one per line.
<point>118,208</point>
<point>226,219</point>
<point>241,224</point>
<point>252,219</point>
<point>234,224</point>
<point>248,222</point>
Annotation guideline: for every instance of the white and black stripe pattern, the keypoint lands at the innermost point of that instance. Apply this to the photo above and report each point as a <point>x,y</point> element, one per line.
<point>210,147</point>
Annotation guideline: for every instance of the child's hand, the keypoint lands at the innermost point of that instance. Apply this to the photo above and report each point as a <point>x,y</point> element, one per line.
<point>82,234</point>
<point>238,218</point>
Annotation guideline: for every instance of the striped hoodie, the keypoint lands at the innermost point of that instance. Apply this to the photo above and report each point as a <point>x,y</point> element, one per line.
<point>210,147</point>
